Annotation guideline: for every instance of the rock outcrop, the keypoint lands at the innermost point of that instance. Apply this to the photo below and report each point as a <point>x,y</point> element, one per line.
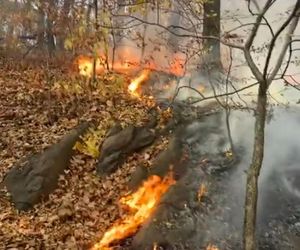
<point>120,143</point>
<point>37,176</point>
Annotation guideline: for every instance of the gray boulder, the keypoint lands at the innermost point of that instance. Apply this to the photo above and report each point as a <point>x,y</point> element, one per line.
<point>122,143</point>
<point>37,176</point>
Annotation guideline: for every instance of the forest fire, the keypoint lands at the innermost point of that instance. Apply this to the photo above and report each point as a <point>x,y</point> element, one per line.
<point>135,83</point>
<point>140,205</point>
<point>127,63</point>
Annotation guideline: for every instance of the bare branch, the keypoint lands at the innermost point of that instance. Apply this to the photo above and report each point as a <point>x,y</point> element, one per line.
<point>241,26</point>
<point>254,69</point>
<point>290,84</point>
<point>295,17</point>
<point>187,87</point>
<point>288,38</point>
<point>167,28</point>
<point>288,61</point>
<point>264,18</point>
<point>225,94</point>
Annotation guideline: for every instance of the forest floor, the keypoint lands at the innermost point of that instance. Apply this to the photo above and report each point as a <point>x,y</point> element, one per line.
<point>38,106</point>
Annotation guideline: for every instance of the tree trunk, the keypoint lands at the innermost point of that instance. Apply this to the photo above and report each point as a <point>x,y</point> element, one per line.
<point>88,16</point>
<point>50,17</point>
<point>212,27</point>
<point>96,29</point>
<point>50,37</point>
<point>144,36</point>
<point>104,34</point>
<point>27,25</point>
<point>114,47</point>
<point>10,37</point>
<point>175,19</point>
<point>63,24</point>
<point>254,169</point>
<point>41,28</point>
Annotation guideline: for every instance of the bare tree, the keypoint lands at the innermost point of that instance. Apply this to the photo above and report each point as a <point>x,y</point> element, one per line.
<point>265,79</point>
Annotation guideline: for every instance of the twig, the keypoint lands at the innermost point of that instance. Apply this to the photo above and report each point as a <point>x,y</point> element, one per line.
<point>224,94</point>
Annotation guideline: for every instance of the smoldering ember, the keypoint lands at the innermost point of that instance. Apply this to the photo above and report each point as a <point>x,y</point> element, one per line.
<point>149,125</point>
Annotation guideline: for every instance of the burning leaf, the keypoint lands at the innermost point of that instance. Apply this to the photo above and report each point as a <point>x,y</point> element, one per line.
<point>201,192</point>
<point>140,205</point>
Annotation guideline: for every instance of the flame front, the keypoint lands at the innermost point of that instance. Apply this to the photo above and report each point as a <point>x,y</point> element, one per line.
<point>127,62</point>
<point>141,204</point>
<point>133,86</point>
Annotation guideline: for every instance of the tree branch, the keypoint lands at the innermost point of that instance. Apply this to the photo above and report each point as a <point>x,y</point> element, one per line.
<point>288,38</point>
<point>286,44</point>
<point>225,94</point>
<point>232,45</point>
<point>254,69</point>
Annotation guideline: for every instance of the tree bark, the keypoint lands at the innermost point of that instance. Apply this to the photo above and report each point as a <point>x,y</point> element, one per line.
<point>254,170</point>
<point>50,36</point>
<point>144,36</point>
<point>175,19</point>
<point>63,24</point>
<point>41,28</point>
<point>212,27</point>
<point>88,16</point>
<point>96,29</point>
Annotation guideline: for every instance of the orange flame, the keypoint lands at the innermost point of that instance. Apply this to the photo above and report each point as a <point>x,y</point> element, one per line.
<point>133,86</point>
<point>85,66</point>
<point>212,247</point>
<point>141,204</point>
<point>127,63</point>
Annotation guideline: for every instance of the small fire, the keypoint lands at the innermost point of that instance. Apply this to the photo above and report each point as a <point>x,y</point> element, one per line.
<point>141,204</point>
<point>85,66</point>
<point>133,86</point>
<point>212,247</point>
<point>202,191</point>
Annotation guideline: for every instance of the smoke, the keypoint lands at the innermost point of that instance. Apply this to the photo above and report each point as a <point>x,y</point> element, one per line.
<point>281,147</point>
<point>282,130</point>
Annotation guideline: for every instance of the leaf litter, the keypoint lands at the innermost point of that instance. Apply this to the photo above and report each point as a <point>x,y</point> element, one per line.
<point>35,113</point>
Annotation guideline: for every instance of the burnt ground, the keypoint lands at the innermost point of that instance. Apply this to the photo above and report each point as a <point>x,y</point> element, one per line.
<point>182,221</point>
